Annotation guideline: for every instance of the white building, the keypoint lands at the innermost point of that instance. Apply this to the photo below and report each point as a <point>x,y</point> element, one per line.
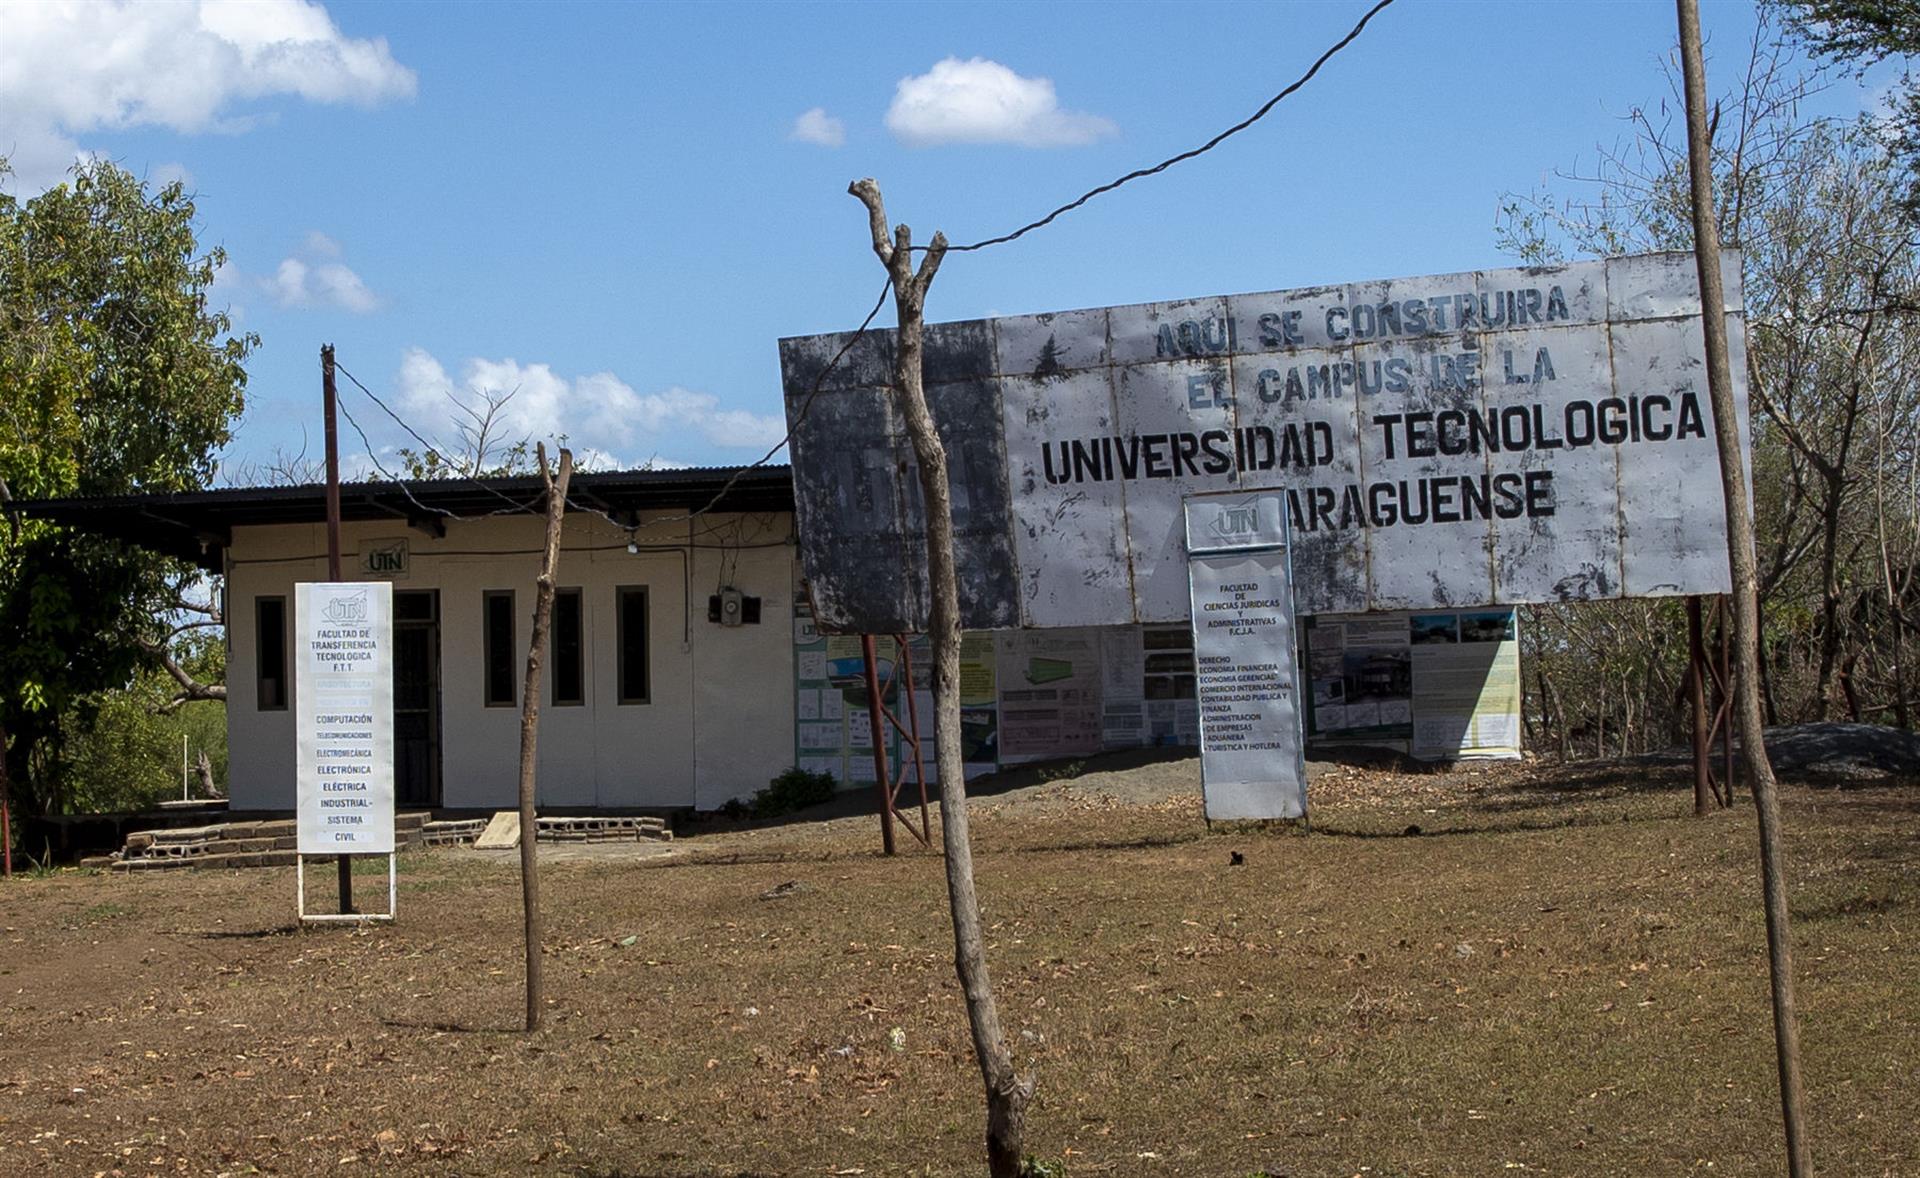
<point>649,704</point>
<point>683,670</point>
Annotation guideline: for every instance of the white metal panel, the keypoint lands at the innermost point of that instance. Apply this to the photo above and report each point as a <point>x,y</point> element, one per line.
<point>1549,381</point>
<point>1294,405</point>
<point>1069,536</point>
<point>1162,411</point>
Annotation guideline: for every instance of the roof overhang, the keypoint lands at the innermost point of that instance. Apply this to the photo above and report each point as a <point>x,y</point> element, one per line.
<point>198,526</point>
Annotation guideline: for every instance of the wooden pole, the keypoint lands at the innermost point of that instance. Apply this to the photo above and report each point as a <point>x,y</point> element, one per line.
<point>1746,609</point>
<point>530,724</point>
<point>329,396</point>
<point>1008,1093</point>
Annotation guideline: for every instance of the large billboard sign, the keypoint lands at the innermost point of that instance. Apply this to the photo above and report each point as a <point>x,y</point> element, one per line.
<point>1252,745</point>
<point>343,728</point>
<point>1486,438</point>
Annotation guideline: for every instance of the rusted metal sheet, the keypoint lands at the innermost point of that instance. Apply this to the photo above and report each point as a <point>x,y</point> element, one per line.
<point>1493,437</point>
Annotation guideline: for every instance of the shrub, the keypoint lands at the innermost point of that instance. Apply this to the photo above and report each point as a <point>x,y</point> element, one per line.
<point>794,789</point>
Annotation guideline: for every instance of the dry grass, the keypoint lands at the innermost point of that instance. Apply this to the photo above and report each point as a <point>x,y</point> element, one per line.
<point>1560,974</point>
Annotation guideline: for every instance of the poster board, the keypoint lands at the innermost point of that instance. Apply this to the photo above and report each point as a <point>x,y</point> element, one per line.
<point>1437,685</point>
<point>343,717</point>
<point>1466,684</point>
<point>1050,694</point>
<point>833,730</point>
<point>833,733</point>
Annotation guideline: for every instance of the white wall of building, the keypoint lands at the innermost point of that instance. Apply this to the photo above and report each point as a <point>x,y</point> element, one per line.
<point>718,724</point>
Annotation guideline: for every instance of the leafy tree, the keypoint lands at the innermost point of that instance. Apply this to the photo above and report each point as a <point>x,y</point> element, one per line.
<point>116,377</point>
<point>1863,33</point>
<point>1832,277</point>
<point>124,752</point>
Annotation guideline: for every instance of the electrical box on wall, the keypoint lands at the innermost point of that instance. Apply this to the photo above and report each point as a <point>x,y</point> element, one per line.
<point>730,607</point>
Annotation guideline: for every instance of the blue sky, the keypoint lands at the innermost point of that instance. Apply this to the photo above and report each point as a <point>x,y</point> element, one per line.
<point>617,209</point>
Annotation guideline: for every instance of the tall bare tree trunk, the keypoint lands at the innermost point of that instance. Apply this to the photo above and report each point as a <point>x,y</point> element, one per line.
<point>530,725</point>
<point>1746,604</point>
<point>1007,1092</point>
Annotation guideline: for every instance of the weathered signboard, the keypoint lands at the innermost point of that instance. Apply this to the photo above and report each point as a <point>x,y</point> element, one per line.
<point>1252,750</point>
<point>343,640</point>
<point>1486,438</point>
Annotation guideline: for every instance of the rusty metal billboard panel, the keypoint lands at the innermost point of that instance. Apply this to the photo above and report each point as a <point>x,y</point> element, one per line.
<point>1485,438</point>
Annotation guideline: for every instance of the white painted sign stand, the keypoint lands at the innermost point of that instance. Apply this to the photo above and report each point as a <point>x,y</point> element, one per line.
<point>343,692</point>
<point>393,893</point>
<point>1252,742</point>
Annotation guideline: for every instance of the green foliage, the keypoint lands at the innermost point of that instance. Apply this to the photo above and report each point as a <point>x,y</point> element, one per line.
<point>1033,1167</point>
<point>116,377</point>
<point>122,750</point>
<point>794,789</point>
<point>1862,33</point>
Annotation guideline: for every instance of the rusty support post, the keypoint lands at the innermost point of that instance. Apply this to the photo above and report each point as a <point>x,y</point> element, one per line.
<point>913,728</point>
<point>881,780</point>
<point>1697,701</point>
<point>328,398</point>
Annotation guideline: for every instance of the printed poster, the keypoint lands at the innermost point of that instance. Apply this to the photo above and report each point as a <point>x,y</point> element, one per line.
<point>1466,681</point>
<point>1049,684</point>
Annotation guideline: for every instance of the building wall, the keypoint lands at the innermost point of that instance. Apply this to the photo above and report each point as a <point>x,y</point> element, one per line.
<point>719,721</point>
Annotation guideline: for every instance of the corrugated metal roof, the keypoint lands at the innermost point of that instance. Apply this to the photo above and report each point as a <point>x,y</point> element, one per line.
<point>198,525</point>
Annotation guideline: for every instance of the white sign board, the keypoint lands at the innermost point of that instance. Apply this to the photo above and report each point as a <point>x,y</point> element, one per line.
<point>1443,442</point>
<point>1252,758</point>
<point>343,696</point>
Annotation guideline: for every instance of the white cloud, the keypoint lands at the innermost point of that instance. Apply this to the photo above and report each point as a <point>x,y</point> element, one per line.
<point>599,413</point>
<point>70,67</point>
<point>314,277</point>
<point>161,175</point>
<point>319,245</point>
<point>817,126</point>
<point>981,101</point>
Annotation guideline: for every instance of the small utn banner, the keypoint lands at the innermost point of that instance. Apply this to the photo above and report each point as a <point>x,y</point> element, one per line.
<point>343,698</point>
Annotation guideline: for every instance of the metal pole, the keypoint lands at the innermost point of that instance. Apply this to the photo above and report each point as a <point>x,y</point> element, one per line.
<point>1746,603</point>
<point>913,726</point>
<point>328,396</point>
<point>1697,699</point>
<point>880,779</point>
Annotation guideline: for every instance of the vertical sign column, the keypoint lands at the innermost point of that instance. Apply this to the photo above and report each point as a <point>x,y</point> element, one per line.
<point>343,644</point>
<point>1252,759</point>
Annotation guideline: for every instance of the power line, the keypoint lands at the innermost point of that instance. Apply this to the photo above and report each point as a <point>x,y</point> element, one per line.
<point>1163,165</point>
<point>820,379</point>
<point>432,447</point>
<point>799,417</point>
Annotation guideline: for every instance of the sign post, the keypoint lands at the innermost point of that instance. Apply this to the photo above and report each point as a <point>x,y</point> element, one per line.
<point>1240,577</point>
<point>343,635</point>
